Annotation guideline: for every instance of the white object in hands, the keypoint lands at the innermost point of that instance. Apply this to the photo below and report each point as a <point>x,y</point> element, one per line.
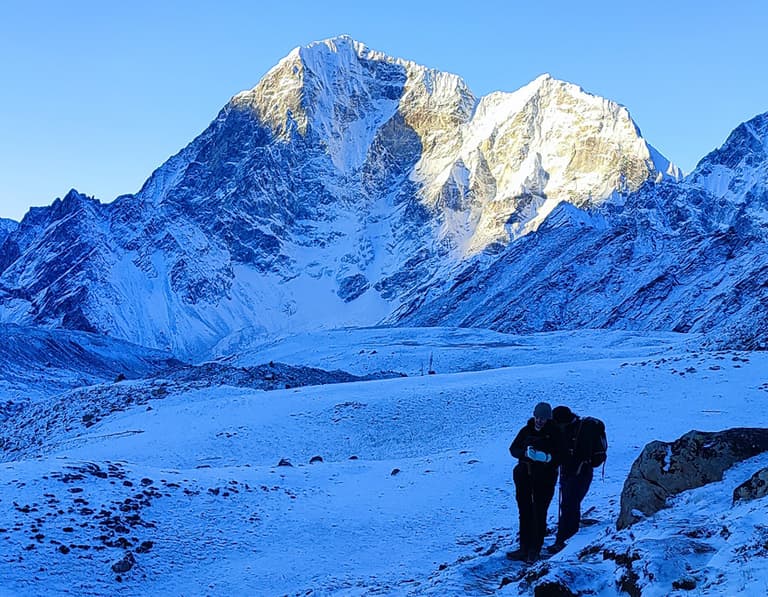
<point>537,455</point>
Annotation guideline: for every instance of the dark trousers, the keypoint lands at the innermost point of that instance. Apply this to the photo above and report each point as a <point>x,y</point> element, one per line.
<point>534,488</point>
<point>573,488</point>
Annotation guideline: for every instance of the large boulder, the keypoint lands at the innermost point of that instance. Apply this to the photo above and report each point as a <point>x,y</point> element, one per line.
<point>754,488</point>
<point>697,458</point>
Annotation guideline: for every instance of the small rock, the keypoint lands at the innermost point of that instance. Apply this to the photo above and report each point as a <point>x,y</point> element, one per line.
<point>315,459</point>
<point>284,462</point>
<point>395,471</point>
<point>124,565</point>
<point>145,547</point>
<point>684,584</point>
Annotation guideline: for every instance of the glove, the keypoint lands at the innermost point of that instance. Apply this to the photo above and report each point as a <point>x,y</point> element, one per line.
<point>537,455</point>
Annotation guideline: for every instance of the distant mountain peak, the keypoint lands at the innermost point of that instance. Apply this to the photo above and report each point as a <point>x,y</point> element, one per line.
<point>739,169</point>
<point>338,44</point>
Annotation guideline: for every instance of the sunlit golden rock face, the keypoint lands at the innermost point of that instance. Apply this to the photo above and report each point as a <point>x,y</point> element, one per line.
<point>490,169</point>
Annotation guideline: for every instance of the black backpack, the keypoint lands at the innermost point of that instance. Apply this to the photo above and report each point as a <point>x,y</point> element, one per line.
<point>591,435</point>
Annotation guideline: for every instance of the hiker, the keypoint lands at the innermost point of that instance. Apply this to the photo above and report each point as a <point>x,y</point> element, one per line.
<point>537,447</point>
<point>581,453</point>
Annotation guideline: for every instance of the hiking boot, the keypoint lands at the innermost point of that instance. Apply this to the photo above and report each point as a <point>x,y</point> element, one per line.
<point>533,556</point>
<point>517,555</point>
<point>556,547</point>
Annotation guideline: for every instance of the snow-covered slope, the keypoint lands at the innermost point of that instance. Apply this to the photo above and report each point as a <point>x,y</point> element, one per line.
<point>318,199</point>
<point>416,351</point>
<point>37,363</point>
<point>413,495</point>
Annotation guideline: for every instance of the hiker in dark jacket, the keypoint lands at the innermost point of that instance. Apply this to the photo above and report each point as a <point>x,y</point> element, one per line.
<point>538,448</point>
<point>575,475</point>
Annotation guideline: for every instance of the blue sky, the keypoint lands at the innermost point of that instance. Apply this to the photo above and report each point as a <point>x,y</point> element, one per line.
<point>96,95</point>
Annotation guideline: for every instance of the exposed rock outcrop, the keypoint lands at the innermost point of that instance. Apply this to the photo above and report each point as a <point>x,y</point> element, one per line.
<point>754,488</point>
<point>697,458</point>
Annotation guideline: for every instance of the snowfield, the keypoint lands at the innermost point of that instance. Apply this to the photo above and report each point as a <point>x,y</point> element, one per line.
<point>183,495</point>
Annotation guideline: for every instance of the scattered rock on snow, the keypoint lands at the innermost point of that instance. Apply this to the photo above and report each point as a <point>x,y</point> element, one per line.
<point>684,584</point>
<point>315,459</point>
<point>145,547</point>
<point>284,462</point>
<point>395,471</point>
<point>697,458</point>
<point>124,565</point>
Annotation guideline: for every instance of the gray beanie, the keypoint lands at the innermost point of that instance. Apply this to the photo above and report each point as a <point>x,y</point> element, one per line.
<point>542,411</point>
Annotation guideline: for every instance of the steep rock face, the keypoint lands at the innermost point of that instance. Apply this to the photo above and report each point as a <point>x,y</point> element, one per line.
<point>524,153</point>
<point>736,176</point>
<point>54,260</point>
<point>739,164</point>
<point>7,252</point>
<point>6,227</point>
<point>321,197</point>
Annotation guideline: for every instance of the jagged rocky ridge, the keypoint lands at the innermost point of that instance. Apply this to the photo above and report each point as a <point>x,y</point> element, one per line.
<point>350,188</point>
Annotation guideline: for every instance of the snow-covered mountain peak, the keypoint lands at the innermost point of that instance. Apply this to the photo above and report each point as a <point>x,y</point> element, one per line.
<point>344,174</point>
<point>736,175</point>
<point>343,91</point>
<point>492,168</point>
<point>745,149</point>
<point>522,153</point>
